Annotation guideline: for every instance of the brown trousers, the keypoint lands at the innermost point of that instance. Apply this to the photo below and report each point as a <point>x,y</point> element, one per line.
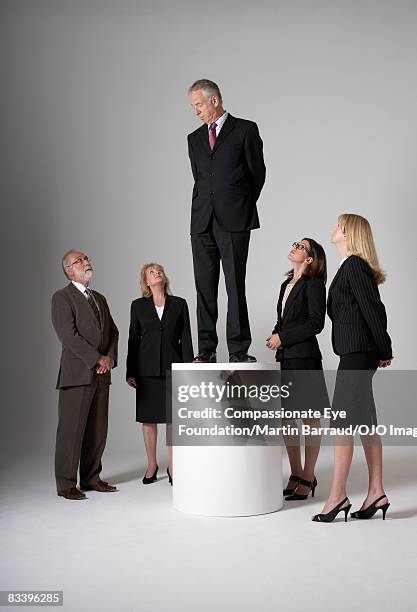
<point>81,434</point>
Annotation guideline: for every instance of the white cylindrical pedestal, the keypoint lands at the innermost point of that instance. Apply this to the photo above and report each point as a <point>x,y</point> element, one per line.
<point>227,480</point>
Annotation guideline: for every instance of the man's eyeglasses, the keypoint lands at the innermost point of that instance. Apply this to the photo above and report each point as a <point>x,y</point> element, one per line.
<point>78,261</point>
<point>301,247</point>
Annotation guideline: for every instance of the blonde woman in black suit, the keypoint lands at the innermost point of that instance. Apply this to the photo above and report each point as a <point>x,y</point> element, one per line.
<point>360,338</point>
<point>301,313</point>
<point>159,335</point>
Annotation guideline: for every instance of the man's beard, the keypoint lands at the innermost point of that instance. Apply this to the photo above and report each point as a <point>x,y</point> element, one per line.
<point>87,275</point>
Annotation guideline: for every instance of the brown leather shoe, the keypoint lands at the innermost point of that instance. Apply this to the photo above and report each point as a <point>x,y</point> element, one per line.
<point>101,486</point>
<point>72,493</point>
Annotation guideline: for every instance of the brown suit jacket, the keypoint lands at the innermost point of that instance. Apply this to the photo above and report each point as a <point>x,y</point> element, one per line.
<point>83,339</point>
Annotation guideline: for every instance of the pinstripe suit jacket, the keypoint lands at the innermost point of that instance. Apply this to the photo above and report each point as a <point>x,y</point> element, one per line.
<point>357,313</point>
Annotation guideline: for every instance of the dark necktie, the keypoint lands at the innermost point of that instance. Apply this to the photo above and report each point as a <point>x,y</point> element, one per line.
<point>93,304</point>
<point>212,135</point>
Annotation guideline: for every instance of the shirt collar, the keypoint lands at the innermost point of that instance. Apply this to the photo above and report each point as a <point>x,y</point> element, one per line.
<point>219,122</point>
<point>79,286</point>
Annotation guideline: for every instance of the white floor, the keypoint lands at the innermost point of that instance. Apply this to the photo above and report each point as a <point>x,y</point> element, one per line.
<point>131,551</point>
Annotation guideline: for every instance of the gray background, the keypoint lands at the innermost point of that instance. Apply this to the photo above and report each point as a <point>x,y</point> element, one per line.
<point>94,121</point>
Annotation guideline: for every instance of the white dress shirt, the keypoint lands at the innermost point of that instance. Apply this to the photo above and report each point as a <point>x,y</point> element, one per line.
<point>219,123</point>
<point>80,287</point>
<point>160,311</point>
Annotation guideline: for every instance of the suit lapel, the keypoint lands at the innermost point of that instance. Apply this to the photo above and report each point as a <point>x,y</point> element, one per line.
<point>293,294</point>
<point>152,308</point>
<point>281,296</point>
<point>100,307</point>
<point>168,303</point>
<point>204,137</point>
<point>83,300</point>
<point>228,126</point>
<point>336,276</point>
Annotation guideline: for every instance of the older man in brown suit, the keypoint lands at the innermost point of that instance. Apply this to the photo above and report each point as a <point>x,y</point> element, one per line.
<point>89,337</point>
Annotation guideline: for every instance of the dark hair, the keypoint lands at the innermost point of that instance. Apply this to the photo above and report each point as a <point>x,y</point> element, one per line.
<point>318,267</point>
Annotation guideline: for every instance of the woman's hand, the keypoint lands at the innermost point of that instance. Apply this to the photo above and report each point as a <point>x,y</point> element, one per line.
<point>131,381</point>
<point>384,363</point>
<point>273,342</point>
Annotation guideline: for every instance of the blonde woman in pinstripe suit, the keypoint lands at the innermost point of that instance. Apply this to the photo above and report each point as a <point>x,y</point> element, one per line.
<point>360,338</point>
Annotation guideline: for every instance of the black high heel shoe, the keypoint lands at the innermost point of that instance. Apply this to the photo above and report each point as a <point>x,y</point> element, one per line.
<point>295,479</point>
<point>372,509</point>
<point>169,477</point>
<point>311,484</point>
<point>330,516</point>
<point>150,479</point>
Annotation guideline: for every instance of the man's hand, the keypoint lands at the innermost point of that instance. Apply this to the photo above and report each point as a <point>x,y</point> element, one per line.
<point>104,364</point>
<point>273,342</point>
<point>384,363</point>
<point>131,381</point>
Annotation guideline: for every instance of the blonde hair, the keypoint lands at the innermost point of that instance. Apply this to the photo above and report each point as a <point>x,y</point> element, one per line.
<point>360,242</point>
<point>146,292</point>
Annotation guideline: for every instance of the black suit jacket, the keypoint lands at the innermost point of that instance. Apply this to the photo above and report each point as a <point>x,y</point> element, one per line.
<point>84,339</point>
<point>228,179</point>
<point>357,313</point>
<point>303,318</point>
<point>155,344</point>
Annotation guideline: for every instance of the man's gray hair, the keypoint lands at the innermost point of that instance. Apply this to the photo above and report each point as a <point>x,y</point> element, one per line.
<point>210,88</point>
<point>65,260</point>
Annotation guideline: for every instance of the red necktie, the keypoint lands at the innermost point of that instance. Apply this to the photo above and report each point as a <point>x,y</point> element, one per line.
<point>212,135</point>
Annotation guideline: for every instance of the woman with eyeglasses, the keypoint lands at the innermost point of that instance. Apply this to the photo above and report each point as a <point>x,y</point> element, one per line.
<point>159,335</point>
<point>360,338</point>
<point>301,313</point>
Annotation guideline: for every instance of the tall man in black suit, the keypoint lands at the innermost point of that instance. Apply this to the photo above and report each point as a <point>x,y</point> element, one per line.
<point>229,173</point>
<point>89,337</point>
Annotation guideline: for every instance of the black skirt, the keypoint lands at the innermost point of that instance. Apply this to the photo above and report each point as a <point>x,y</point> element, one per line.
<point>151,400</point>
<point>353,391</point>
<point>307,384</point>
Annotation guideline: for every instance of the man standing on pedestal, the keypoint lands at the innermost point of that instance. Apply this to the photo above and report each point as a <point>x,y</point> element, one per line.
<point>229,173</point>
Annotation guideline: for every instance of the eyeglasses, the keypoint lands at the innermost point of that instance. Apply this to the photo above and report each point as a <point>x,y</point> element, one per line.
<point>78,261</point>
<point>301,247</point>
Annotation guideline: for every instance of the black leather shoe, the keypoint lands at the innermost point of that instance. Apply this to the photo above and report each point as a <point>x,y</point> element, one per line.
<point>241,358</point>
<point>205,357</point>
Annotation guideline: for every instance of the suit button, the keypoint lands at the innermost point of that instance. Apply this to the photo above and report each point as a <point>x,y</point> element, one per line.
<point>212,193</point>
